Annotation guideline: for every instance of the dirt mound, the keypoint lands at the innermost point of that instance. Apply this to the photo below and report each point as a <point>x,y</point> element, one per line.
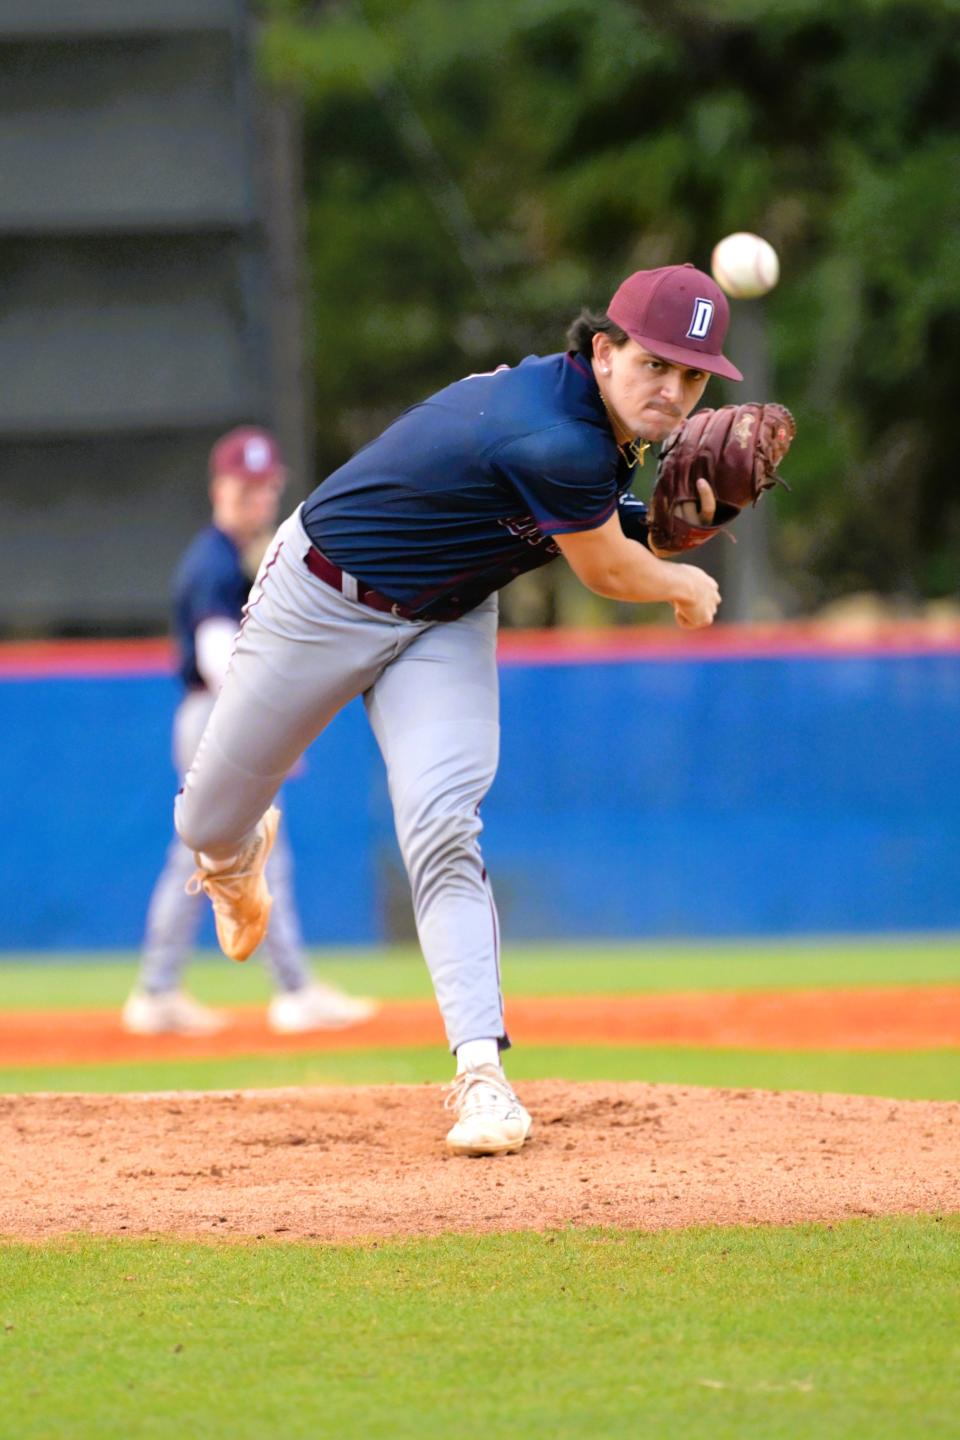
<point>334,1164</point>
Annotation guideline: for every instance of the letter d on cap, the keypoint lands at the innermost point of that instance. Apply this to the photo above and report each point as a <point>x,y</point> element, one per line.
<point>701,320</point>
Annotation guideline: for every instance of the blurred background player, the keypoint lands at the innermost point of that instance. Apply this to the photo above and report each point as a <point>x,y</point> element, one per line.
<point>210,588</point>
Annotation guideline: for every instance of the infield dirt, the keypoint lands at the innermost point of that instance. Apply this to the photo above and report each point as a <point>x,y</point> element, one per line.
<point>338,1164</point>
<point>896,1017</point>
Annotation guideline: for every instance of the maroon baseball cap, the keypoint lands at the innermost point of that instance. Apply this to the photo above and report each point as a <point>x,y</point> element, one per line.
<point>677,313</point>
<point>249,453</point>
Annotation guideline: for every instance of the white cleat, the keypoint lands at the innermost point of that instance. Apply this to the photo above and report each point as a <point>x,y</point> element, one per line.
<point>240,896</point>
<point>490,1118</point>
<point>172,1013</point>
<point>317,1007</point>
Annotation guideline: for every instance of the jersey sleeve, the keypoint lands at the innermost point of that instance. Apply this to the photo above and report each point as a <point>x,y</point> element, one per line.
<point>212,594</point>
<point>566,477</point>
<point>208,586</point>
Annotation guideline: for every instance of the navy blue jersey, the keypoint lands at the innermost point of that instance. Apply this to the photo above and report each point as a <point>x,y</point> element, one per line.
<point>209,581</point>
<point>466,490</point>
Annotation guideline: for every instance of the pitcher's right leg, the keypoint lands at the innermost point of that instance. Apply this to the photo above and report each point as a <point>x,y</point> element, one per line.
<point>301,654</point>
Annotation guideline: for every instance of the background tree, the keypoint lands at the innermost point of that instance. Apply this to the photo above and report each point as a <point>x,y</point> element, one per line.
<point>476,171</point>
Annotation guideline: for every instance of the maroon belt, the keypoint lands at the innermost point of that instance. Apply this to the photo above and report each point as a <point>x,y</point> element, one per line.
<point>330,574</point>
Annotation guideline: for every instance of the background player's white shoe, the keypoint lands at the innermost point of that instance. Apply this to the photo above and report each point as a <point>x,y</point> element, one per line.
<point>317,1007</point>
<point>173,1013</point>
<point>490,1118</point>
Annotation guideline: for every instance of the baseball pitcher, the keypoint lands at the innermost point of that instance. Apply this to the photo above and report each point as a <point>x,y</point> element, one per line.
<point>384,583</point>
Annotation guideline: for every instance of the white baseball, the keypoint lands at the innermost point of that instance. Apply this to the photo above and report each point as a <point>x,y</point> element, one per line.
<point>745,265</point>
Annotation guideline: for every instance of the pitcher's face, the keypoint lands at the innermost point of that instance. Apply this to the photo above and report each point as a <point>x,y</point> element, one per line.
<point>648,396</point>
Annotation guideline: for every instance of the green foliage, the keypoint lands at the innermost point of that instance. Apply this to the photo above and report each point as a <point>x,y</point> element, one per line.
<point>477,171</point>
<point>732,1334</point>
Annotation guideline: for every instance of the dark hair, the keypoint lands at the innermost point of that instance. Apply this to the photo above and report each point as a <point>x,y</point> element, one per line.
<point>587,324</point>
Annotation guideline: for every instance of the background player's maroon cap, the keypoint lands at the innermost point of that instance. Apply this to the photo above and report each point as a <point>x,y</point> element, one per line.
<point>677,313</point>
<point>249,453</point>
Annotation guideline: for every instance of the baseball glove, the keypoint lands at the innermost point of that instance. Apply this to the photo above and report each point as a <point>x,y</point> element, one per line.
<point>736,449</point>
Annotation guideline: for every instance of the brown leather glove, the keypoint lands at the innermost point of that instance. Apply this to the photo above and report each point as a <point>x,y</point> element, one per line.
<point>736,449</point>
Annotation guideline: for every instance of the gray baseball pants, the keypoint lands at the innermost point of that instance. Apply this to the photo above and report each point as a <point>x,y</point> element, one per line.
<point>431,695</point>
<point>173,916</point>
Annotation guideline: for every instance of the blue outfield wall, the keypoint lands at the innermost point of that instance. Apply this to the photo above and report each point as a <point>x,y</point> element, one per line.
<point>789,794</point>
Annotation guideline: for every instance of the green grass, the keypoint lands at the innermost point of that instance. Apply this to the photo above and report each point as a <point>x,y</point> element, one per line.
<point>38,982</point>
<point>912,1075</point>
<point>96,981</point>
<point>743,1334</point>
<point>760,1334</point>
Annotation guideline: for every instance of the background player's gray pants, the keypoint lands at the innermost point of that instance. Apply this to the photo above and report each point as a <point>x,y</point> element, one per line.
<point>173,917</point>
<point>431,695</point>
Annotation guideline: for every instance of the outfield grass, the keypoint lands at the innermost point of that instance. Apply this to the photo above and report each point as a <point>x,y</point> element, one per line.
<point>39,981</point>
<point>96,981</point>
<point>913,1075</point>
<point>741,1334</point>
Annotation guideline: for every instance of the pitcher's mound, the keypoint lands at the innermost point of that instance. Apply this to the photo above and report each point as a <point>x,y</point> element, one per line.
<point>336,1164</point>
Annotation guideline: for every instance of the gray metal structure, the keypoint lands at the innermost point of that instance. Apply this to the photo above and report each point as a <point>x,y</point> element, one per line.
<point>149,295</point>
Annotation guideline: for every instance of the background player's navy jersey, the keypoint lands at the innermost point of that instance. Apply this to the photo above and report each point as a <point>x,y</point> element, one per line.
<point>466,490</point>
<point>208,581</point>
